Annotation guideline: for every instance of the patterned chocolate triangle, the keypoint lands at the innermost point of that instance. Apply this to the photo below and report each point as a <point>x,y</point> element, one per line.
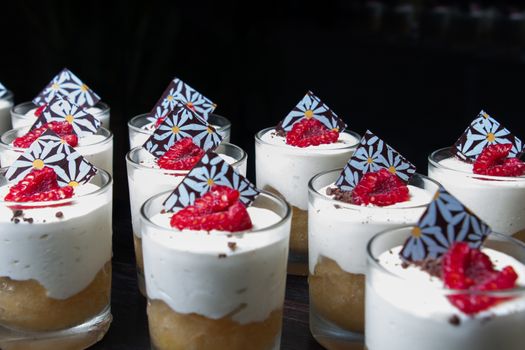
<point>482,132</point>
<point>67,84</point>
<point>49,150</point>
<point>178,92</point>
<point>211,170</point>
<point>311,107</point>
<point>61,109</point>
<point>445,222</point>
<point>3,90</point>
<point>371,155</point>
<point>177,125</point>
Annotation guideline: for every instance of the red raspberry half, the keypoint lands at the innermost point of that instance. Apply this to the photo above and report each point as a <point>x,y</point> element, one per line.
<point>183,155</point>
<point>493,161</point>
<point>465,268</point>
<point>39,110</point>
<point>39,186</point>
<point>380,188</point>
<point>159,121</point>
<point>219,209</point>
<point>310,132</point>
<point>62,129</point>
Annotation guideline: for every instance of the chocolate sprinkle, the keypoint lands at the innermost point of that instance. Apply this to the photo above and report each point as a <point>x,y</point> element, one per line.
<point>454,320</point>
<point>18,212</point>
<point>222,255</point>
<point>16,220</point>
<point>232,246</point>
<point>340,195</point>
<point>29,220</point>
<point>429,265</point>
<point>59,214</point>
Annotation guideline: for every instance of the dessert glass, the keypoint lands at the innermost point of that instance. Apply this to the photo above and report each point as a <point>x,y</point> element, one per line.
<point>97,148</point>
<point>286,170</point>
<point>338,233</point>
<point>138,134</point>
<point>403,314</point>
<point>55,268</point>
<point>144,181</point>
<point>6,103</point>
<point>499,201</point>
<point>23,114</point>
<point>216,290</point>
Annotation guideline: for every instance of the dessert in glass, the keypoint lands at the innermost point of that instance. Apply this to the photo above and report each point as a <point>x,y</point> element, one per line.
<point>341,221</point>
<point>446,283</point>
<point>311,139</point>
<point>6,103</point>
<point>65,84</point>
<point>483,170</point>
<point>55,251</point>
<point>215,267</point>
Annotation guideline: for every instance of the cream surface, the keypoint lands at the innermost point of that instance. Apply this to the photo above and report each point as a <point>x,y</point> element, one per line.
<point>341,233</point>
<point>198,272</point>
<point>62,254</point>
<point>499,202</point>
<point>287,169</point>
<point>414,309</point>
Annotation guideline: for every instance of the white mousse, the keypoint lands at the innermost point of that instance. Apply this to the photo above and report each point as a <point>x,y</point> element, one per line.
<point>499,202</point>
<point>199,272</point>
<point>63,254</point>
<point>412,307</point>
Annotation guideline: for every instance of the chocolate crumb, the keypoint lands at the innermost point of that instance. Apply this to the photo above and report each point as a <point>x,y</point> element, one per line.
<point>429,265</point>
<point>18,212</point>
<point>229,235</point>
<point>280,132</point>
<point>337,206</point>
<point>232,246</point>
<point>28,220</point>
<point>222,256</point>
<point>405,265</point>
<point>16,220</point>
<point>163,211</point>
<point>454,320</point>
<point>340,195</point>
<point>59,214</point>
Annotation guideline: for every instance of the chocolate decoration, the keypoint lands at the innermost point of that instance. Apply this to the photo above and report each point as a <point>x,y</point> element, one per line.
<point>3,90</point>
<point>51,151</point>
<point>177,125</point>
<point>61,109</point>
<point>482,132</point>
<point>67,84</point>
<point>371,155</point>
<point>445,222</point>
<point>311,106</point>
<point>210,170</point>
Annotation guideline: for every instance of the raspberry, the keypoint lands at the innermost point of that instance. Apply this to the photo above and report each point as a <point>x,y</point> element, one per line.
<point>159,121</point>
<point>183,155</point>
<point>39,110</point>
<point>62,129</point>
<point>39,186</point>
<point>380,188</point>
<point>466,268</point>
<point>219,209</point>
<point>493,161</point>
<point>310,132</point>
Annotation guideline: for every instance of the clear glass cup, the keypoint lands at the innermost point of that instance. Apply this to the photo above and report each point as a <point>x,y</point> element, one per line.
<point>499,201</point>
<point>286,170</point>
<point>144,181</point>
<point>97,148</point>
<point>138,135</point>
<point>22,115</point>
<point>55,269</point>
<point>6,103</point>
<point>338,233</point>
<point>402,314</point>
<point>216,290</point>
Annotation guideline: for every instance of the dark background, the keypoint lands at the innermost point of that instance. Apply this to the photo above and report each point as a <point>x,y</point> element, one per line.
<point>414,72</point>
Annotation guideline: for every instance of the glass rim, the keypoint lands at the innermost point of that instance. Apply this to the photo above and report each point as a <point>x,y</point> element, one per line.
<point>138,129</point>
<point>436,164</point>
<point>287,215</point>
<point>375,263</point>
<point>105,132</point>
<point>102,189</point>
<point>179,172</point>
<point>103,106</point>
<point>9,95</point>
<point>356,207</point>
<point>259,140</point>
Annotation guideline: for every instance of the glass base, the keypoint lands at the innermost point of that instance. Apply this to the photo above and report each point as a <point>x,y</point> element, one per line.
<point>79,337</point>
<point>333,337</point>
<point>297,264</point>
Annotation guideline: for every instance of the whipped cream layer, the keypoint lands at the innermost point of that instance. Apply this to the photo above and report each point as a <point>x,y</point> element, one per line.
<point>341,231</point>
<point>28,119</point>
<point>500,203</point>
<point>414,310</point>
<point>63,254</point>
<point>148,179</point>
<point>287,169</point>
<point>97,149</point>
<point>5,115</point>
<point>197,272</point>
